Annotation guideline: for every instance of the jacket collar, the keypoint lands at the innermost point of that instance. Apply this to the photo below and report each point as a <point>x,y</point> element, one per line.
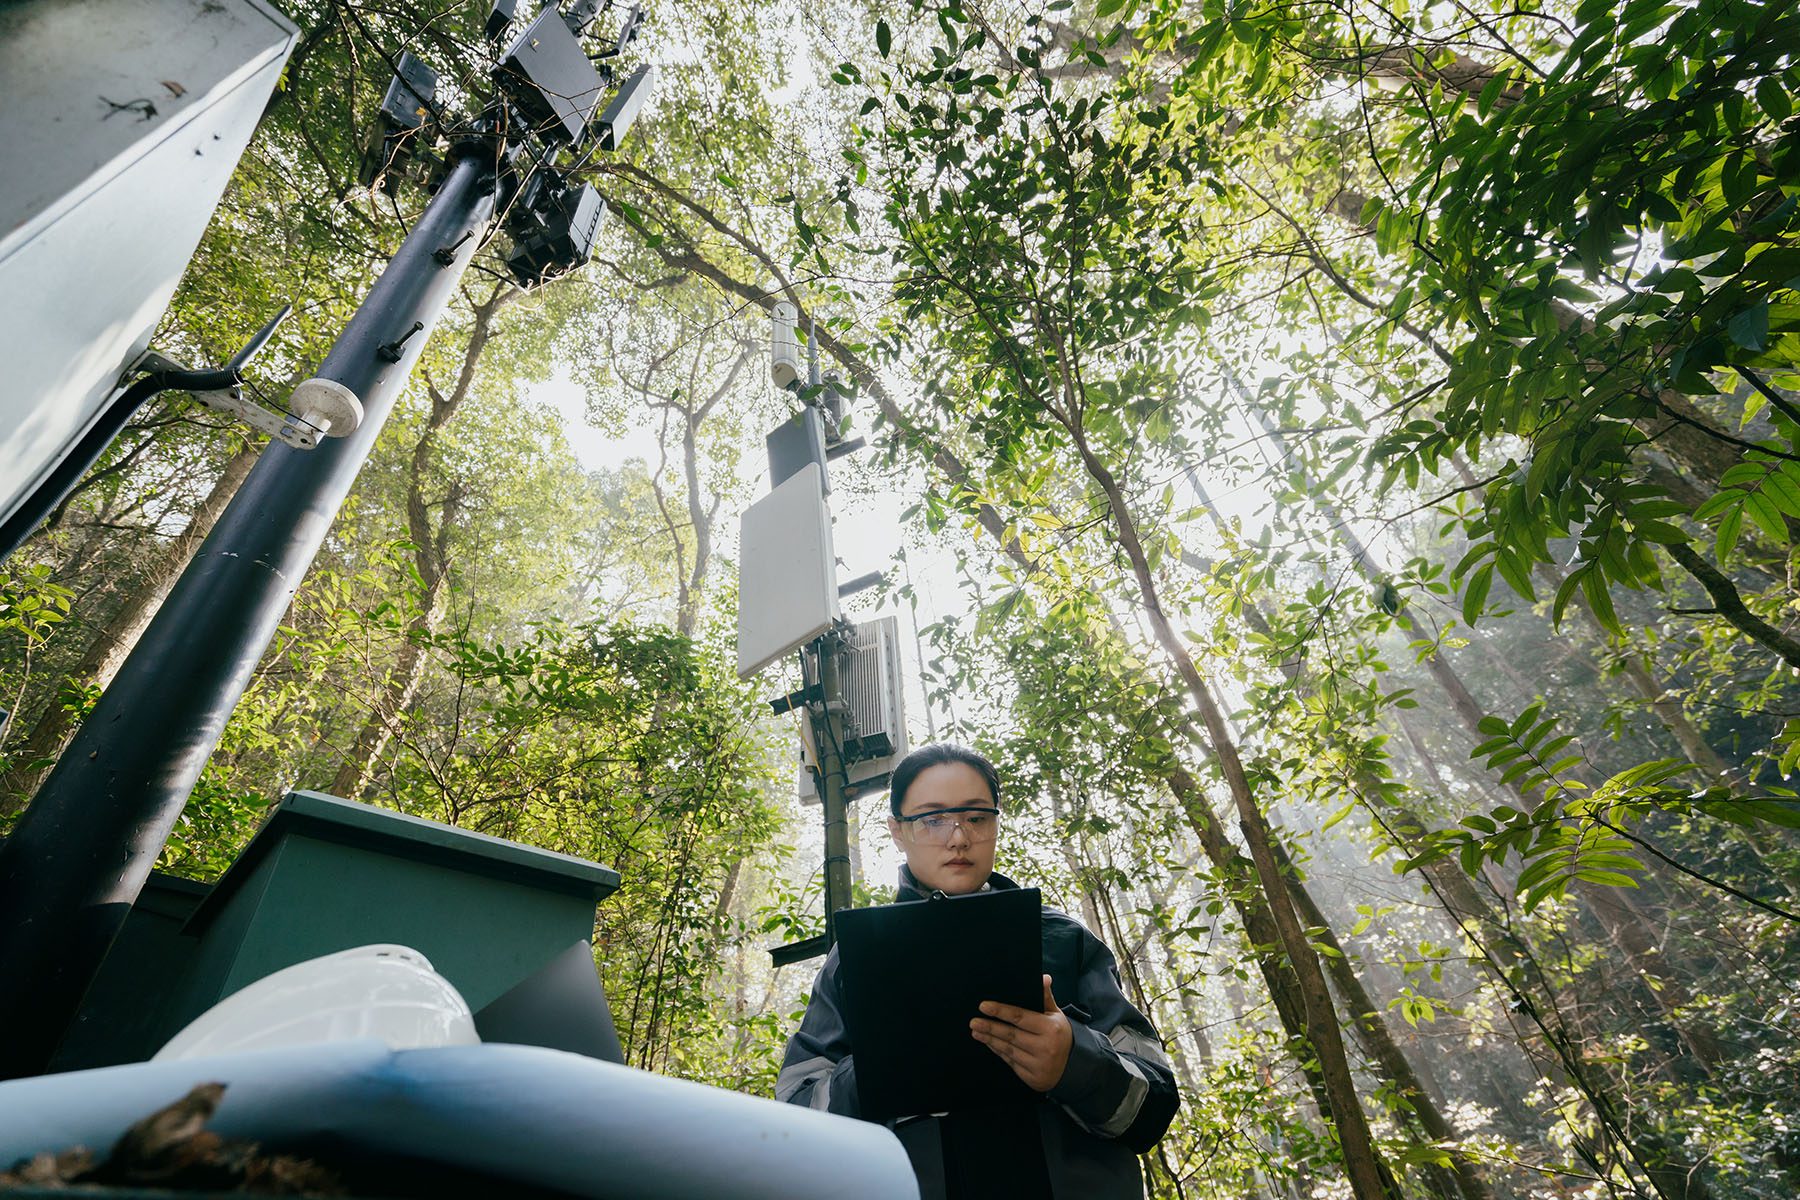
<point>912,889</point>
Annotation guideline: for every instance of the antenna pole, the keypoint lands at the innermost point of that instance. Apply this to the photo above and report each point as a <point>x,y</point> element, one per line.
<point>81,853</point>
<point>834,780</point>
<point>812,438</point>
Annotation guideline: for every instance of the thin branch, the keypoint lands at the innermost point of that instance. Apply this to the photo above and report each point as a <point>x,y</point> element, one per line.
<point>1708,880</point>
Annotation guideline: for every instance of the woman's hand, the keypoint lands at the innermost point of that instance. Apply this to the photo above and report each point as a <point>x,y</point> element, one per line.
<point>1034,1044</point>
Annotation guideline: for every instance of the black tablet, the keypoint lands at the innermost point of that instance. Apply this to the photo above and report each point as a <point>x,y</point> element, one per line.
<point>913,976</point>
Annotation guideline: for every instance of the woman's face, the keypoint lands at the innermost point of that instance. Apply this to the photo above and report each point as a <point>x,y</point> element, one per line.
<point>964,862</point>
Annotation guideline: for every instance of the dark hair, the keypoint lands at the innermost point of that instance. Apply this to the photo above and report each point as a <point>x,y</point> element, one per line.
<point>936,755</point>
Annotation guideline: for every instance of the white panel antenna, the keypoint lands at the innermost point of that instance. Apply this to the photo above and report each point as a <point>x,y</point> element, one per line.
<point>787,574</point>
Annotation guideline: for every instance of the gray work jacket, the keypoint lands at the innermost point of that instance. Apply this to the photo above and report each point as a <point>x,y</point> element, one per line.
<point>1114,1102</point>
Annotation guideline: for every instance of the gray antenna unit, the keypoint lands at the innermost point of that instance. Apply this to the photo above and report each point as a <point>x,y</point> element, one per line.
<point>874,697</point>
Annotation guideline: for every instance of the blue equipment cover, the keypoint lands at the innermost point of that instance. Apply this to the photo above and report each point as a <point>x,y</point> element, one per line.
<point>540,1120</point>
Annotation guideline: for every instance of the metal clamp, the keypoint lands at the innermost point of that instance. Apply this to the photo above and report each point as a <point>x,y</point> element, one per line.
<point>233,403</point>
<point>318,408</point>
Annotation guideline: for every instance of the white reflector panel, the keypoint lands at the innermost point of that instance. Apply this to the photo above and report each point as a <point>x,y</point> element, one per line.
<point>121,122</point>
<point>787,573</point>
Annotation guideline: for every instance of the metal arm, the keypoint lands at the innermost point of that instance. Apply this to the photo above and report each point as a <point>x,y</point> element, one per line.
<point>164,376</point>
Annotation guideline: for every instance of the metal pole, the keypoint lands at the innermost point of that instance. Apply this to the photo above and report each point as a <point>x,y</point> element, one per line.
<point>73,867</point>
<point>834,772</point>
<point>834,785</point>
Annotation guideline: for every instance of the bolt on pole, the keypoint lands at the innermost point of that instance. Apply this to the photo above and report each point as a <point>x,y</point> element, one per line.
<point>74,865</point>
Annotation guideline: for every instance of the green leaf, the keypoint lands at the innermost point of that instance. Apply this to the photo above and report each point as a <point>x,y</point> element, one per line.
<point>1516,771</point>
<point>1729,528</point>
<point>1660,532</point>
<point>1516,574</point>
<point>1774,99</point>
<point>1774,264</point>
<point>884,38</point>
<point>1476,553</point>
<point>1781,488</point>
<point>1767,516</point>
<point>1565,591</point>
<point>995,615</point>
<point>1750,328</point>
<point>1504,755</point>
<point>1490,92</point>
<point>1475,593</point>
<point>1606,878</point>
<point>1738,179</point>
<point>1599,601</point>
<point>1717,503</point>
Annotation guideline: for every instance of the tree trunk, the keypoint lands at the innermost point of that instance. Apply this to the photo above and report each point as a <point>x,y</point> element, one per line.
<point>1238,879</point>
<point>687,616</point>
<point>1378,1039</point>
<point>108,648</point>
<point>854,831</point>
<point>1515,966</point>
<point>1637,669</point>
<point>1623,918</point>
<point>431,558</point>
<point>1624,924</point>
<point>357,766</point>
<point>1059,809</point>
<point>1141,978</point>
<point>1730,605</point>
<point>690,579</point>
<point>727,894</point>
<point>1196,1020</point>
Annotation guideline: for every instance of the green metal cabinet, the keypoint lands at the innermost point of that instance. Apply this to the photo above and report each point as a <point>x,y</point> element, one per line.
<point>324,875</point>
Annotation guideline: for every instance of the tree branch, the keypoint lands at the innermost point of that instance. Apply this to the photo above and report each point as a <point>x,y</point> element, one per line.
<point>1731,605</point>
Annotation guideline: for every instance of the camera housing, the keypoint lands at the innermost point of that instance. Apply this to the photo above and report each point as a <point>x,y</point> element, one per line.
<point>616,121</point>
<point>411,97</point>
<point>499,19</point>
<point>785,366</point>
<point>549,79</point>
<point>553,227</point>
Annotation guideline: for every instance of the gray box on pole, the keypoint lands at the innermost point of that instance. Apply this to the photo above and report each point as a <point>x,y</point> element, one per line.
<point>124,121</point>
<point>793,444</point>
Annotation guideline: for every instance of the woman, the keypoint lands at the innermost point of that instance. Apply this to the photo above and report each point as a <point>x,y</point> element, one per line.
<point>1107,1093</point>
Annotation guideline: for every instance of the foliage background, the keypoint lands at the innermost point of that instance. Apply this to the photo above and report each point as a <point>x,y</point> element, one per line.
<point>1347,464</point>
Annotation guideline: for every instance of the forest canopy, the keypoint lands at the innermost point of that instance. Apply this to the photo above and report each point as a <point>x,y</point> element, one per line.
<point>1344,461</point>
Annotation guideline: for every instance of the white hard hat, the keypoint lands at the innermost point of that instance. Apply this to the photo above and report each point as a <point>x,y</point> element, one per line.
<point>386,992</point>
